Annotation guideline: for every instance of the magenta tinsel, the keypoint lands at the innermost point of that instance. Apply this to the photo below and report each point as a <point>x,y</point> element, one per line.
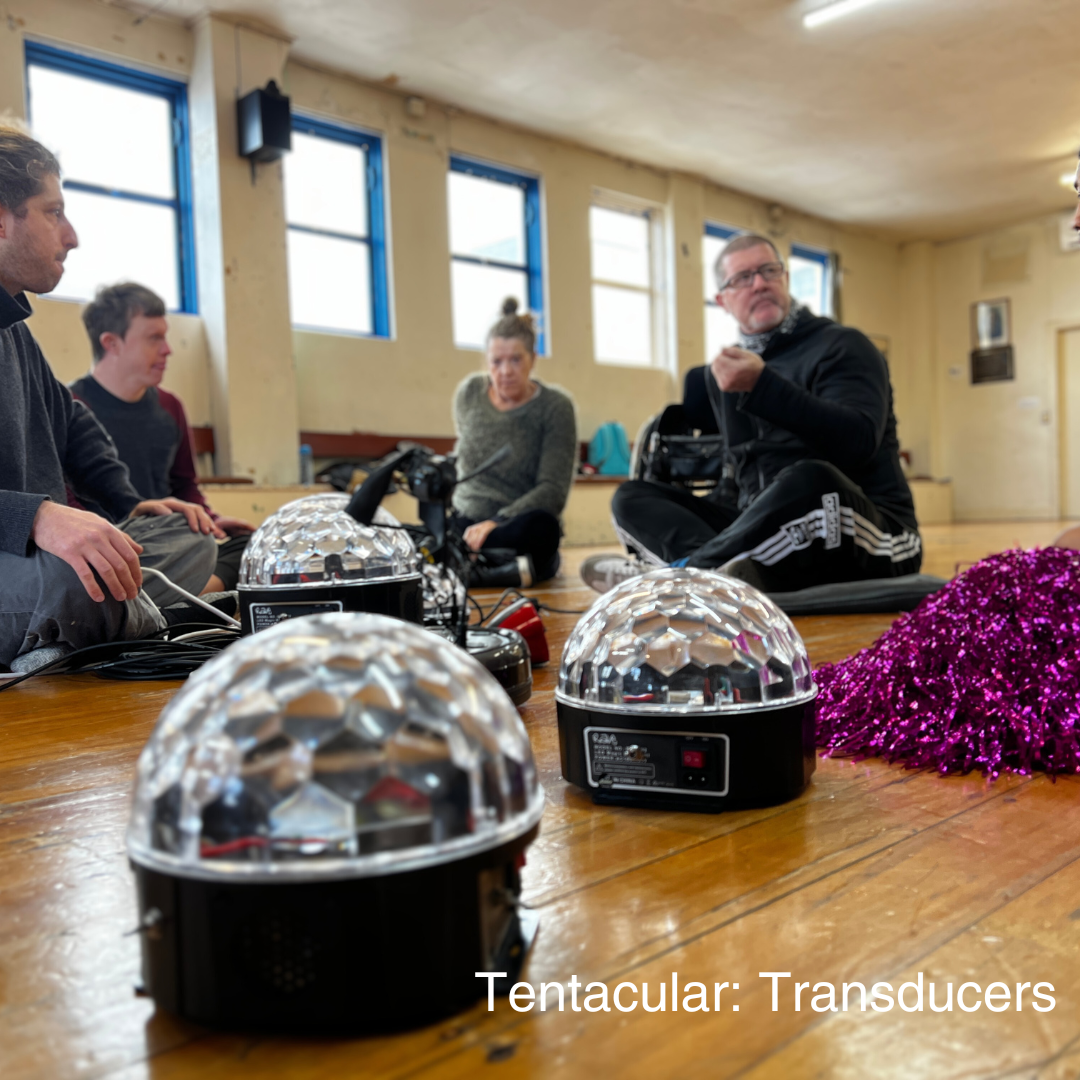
<point>984,674</point>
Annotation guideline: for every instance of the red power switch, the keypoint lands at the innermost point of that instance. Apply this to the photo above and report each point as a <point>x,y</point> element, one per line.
<point>693,759</point>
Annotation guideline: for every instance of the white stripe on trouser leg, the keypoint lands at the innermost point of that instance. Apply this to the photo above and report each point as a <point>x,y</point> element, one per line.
<point>800,533</point>
<point>829,524</point>
<point>897,547</point>
<point>795,535</point>
<point>831,505</point>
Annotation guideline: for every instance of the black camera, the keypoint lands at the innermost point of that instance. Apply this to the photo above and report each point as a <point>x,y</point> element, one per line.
<point>431,478</point>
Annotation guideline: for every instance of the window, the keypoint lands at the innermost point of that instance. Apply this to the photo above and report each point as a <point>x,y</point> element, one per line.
<point>121,137</point>
<point>495,248</point>
<point>812,278</point>
<point>721,329</point>
<point>627,277</point>
<point>336,230</point>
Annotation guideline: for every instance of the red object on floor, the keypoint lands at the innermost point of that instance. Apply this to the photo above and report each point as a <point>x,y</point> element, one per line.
<point>526,621</point>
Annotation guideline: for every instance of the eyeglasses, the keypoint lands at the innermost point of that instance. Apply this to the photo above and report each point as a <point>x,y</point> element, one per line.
<point>771,271</point>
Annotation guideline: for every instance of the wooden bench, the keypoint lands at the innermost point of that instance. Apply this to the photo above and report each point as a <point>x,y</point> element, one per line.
<point>361,445</point>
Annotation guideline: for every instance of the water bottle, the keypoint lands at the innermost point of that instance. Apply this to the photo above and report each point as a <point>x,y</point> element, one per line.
<point>307,466</point>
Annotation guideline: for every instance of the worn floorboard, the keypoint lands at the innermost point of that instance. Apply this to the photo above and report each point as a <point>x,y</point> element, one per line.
<point>874,874</point>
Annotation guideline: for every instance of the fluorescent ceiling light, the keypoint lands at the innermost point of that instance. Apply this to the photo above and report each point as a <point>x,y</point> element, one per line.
<point>834,11</point>
<point>1068,179</point>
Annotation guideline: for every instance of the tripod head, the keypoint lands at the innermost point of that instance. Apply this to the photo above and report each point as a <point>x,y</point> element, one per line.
<point>430,478</point>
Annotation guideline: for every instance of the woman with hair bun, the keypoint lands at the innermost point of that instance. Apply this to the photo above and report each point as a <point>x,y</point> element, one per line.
<point>510,512</point>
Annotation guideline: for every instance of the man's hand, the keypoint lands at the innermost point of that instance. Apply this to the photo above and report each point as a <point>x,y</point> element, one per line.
<point>737,370</point>
<point>234,526</point>
<point>197,518</point>
<point>475,535</point>
<point>84,540</point>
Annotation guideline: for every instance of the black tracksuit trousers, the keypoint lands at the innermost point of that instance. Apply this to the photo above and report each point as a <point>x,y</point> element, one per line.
<point>535,533</point>
<point>810,526</point>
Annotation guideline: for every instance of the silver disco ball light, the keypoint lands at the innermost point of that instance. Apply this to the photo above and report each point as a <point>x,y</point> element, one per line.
<point>327,828</point>
<point>311,556</point>
<point>444,592</point>
<point>686,689</point>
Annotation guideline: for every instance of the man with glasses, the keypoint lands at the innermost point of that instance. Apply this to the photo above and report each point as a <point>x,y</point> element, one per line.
<point>815,494</point>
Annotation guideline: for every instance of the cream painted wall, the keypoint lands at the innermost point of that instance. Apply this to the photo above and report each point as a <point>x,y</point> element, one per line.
<point>999,441</point>
<point>914,376</point>
<point>155,44</point>
<point>404,385</point>
<point>241,259</point>
<point>59,330</point>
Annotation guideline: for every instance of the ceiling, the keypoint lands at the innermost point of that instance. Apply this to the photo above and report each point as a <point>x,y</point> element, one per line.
<point>915,118</point>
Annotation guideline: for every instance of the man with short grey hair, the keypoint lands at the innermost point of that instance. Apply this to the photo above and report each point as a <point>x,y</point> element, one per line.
<point>68,578</point>
<point>805,409</point>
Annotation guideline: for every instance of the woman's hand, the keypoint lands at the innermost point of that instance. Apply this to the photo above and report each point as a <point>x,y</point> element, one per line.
<point>475,535</point>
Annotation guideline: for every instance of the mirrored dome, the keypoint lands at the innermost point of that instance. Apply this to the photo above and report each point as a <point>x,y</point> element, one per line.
<point>312,541</point>
<point>444,591</point>
<point>336,745</point>
<point>684,641</point>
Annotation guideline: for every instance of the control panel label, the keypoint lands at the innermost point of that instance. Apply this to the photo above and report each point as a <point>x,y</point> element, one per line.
<point>687,762</point>
<point>263,616</point>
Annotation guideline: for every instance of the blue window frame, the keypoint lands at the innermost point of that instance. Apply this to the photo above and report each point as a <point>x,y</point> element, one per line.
<point>721,329</point>
<point>127,171</point>
<point>496,247</point>
<point>812,277</point>
<point>335,212</point>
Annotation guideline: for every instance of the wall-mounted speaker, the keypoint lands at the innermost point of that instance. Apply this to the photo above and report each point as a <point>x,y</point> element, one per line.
<point>264,124</point>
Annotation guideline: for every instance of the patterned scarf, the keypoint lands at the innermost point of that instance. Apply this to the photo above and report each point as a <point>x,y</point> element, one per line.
<point>758,343</point>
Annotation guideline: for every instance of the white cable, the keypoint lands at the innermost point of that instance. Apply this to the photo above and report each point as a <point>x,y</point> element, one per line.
<point>837,9</point>
<point>198,635</point>
<point>194,599</point>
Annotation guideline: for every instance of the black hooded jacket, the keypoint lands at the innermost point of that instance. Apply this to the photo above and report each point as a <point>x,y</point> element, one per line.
<point>824,394</point>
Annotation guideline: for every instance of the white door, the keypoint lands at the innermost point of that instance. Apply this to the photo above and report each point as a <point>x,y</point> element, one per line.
<point>1069,417</point>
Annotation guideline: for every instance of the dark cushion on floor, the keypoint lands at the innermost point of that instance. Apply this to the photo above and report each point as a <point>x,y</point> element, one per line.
<point>883,596</point>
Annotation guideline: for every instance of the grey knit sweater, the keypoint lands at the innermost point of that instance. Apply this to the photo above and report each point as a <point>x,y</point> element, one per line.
<point>542,435</point>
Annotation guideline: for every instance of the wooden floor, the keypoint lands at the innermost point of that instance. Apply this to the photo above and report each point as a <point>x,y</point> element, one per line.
<point>873,875</point>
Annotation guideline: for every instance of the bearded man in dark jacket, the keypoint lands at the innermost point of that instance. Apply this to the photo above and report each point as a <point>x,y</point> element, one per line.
<point>815,491</point>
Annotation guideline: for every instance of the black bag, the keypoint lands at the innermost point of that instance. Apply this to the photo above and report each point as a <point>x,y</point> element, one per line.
<point>672,453</point>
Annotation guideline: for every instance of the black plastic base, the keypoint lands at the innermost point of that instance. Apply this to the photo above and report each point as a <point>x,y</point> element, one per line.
<point>261,608</point>
<point>735,760</point>
<point>505,653</point>
<point>353,957</point>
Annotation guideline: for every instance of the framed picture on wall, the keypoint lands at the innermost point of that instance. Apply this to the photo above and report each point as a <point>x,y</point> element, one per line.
<point>991,325</point>
<point>991,342</point>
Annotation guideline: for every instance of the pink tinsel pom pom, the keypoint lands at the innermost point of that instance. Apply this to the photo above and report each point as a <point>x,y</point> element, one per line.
<point>984,674</point>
